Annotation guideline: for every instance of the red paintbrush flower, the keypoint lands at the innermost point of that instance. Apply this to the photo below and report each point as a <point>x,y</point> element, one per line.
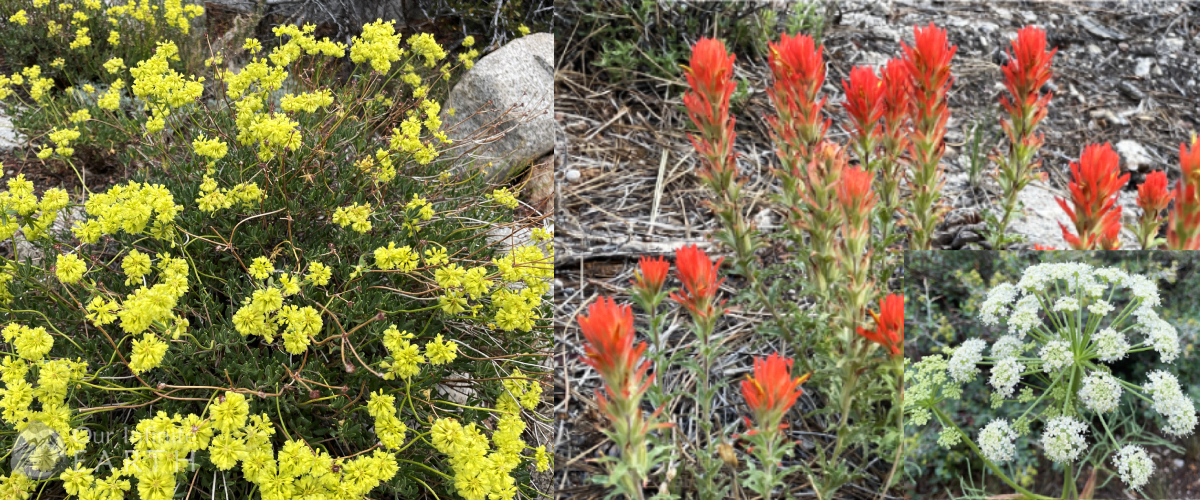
<point>608,330</point>
<point>1153,195</point>
<point>928,64</point>
<point>1027,70</point>
<point>710,76</point>
<point>798,67</point>
<point>889,325</point>
<point>1039,246</point>
<point>1110,230</point>
<point>772,391</point>
<point>700,284</point>
<point>897,86</point>
<point>855,196</point>
<point>651,274</point>
<point>1094,187</point>
<point>864,104</point>
<point>1183,227</point>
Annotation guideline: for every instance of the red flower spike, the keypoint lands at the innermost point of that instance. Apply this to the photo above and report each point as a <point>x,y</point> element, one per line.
<point>772,391</point>
<point>798,67</point>
<point>651,274</point>
<point>1183,226</point>
<point>889,325</point>
<point>798,60</point>
<point>1110,230</point>
<point>1039,246</point>
<point>864,102</point>
<point>855,196</point>
<point>1153,195</point>
<point>700,284</point>
<point>710,76</point>
<point>1094,187</point>
<point>608,329</point>
<point>896,90</point>
<point>1027,70</point>
<point>928,63</point>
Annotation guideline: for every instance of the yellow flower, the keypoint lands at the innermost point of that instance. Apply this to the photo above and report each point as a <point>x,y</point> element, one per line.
<point>261,268</point>
<point>69,268</point>
<point>213,148</point>
<point>147,353</point>
<point>19,18</point>
<point>390,257</point>
<point>135,265</point>
<point>318,274</point>
<point>523,30</point>
<point>504,197</point>
<point>114,38</point>
<point>80,116</point>
<point>252,45</point>
<point>423,44</point>
<point>379,44</point>
<point>441,351</point>
<point>81,39</point>
<point>114,65</point>
<point>354,216</point>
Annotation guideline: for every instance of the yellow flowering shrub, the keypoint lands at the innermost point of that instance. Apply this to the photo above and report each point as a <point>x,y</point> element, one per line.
<point>291,290</point>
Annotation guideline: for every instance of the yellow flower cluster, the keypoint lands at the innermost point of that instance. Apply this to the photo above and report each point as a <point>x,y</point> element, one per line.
<point>308,101</point>
<point>148,353</point>
<point>82,115</point>
<point>179,15</point>
<point>519,391</point>
<point>318,274</point>
<point>458,283</point>
<point>391,257</point>
<point>136,265</point>
<point>19,199</point>
<point>212,148</point>
<point>130,208</point>
<point>424,45</point>
<point>407,139</point>
<point>264,312</point>
<point>388,427</point>
<point>303,41</point>
<point>516,310</point>
<point>354,216</point>
<point>379,44</point>
<point>419,209</point>
<point>114,38</point>
<point>504,197</point>
<point>271,132</point>
<point>19,18</point>
<point>213,198</point>
<point>440,351</point>
<point>481,472</point>
<point>405,358</point>
<point>69,268</point>
<point>111,99</point>
<point>384,172</point>
<point>62,140</point>
<point>54,379</point>
<point>162,87</point>
<point>81,39</point>
<point>149,305</point>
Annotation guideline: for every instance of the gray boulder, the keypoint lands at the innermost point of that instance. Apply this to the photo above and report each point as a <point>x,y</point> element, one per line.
<point>504,106</point>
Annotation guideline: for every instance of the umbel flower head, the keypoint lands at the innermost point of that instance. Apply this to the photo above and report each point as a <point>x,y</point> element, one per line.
<point>1095,183</point>
<point>889,325</point>
<point>772,391</point>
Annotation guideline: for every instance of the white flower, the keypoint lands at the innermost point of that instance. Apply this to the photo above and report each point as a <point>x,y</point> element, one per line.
<point>1143,288</point>
<point>1005,375</point>
<point>1111,275</point>
<point>1110,345</point>
<point>1068,304</point>
<point>963,361</point>
<point>1008,346</point>
<point>1100,307</point>
<point>1024,316</point>
<point>1170,402</point>
<point>1134,465</point>
<point>1063,439</point>
<point>997,302</point>
<point>1056,355</point>
<point>997,441</point>
<point>1101,392</point>
<point>1161,335</point>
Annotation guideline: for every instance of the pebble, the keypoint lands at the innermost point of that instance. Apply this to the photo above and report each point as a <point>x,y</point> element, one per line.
<point>1143,67</point>
<point>1094,49</point>
<point>1133,155</point>
<point>572,175</point>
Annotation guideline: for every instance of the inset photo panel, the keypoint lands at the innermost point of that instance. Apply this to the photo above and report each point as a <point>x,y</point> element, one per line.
<point>1051,374</point>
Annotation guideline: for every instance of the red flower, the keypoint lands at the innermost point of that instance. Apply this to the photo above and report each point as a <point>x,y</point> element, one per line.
<point>864,101</point>
<point>798,66</point>
<point>855,196</point>
<point>1153,195</point>
<point>608,329</point>
<point>1110,232</point>
<point>1028,68</point>
<point>1183,227</point>
<point>1094,187</point>
<point>1039,246</point>
<point>710,76</point>
<point>700,283</point>
<point>889,325</point>
<point>928,63</point>
<point>651,274</point>
<point>897,86</point>
<point>772,390</point>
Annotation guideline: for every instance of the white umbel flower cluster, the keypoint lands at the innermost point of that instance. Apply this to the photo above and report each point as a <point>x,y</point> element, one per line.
<point>1005,375</point>
<point>1159,333</point>
<point>1056,355</point>
<point>1100,392</point>
<point>1068,304</point>
<point>1007,347</point>
<point>1110,345</point>
<point>1170,401</point>
<point>1063,439</point>
<point>1025,316</point>
<point>1134,465</point>
<point>998,441</point>
<point>962,362</point>
<point>996,304</point>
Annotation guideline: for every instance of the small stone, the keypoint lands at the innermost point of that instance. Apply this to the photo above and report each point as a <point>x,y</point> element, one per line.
<point>1129,90</point>
<point>1004,14</point>
<point>1094,49</point>
<point>1055,17</point>
<point>1170,45</point>
<point>1143,67</point>
<point>1134,156</point>
<point>1029,16</point>
<point>1178,463</point>
<point>572,175</point>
